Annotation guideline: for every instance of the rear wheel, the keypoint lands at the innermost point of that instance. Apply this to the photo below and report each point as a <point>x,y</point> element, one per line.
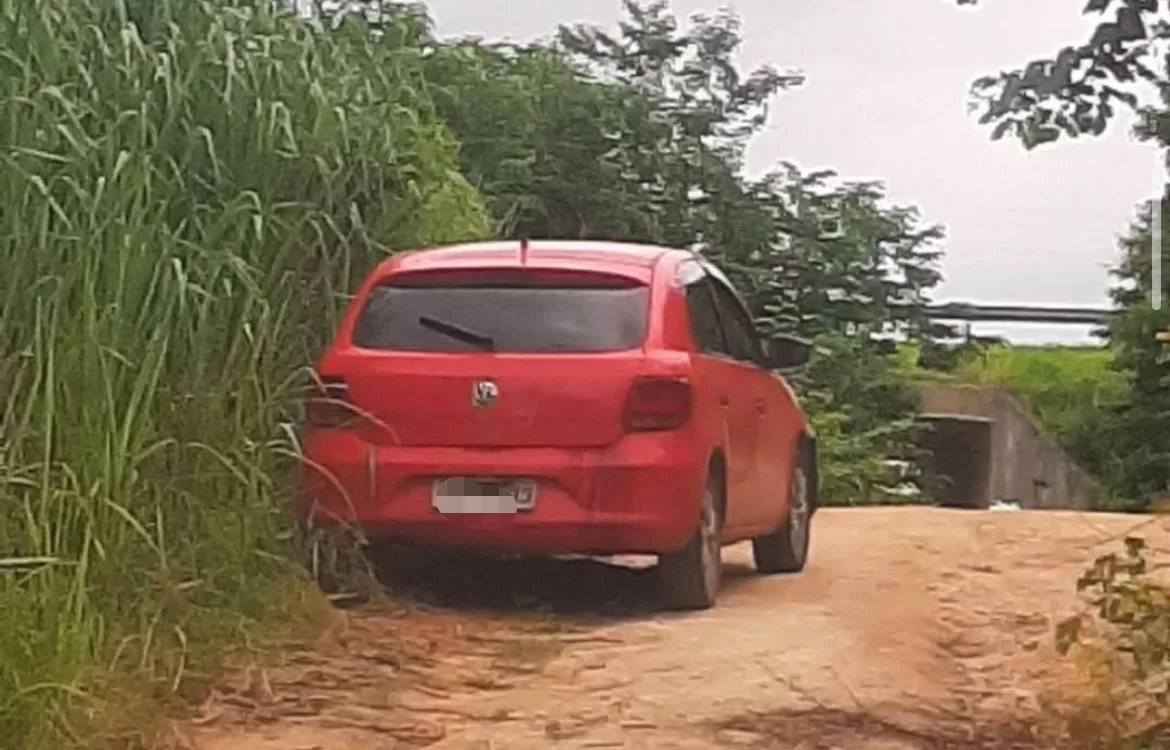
<point>690,577</point>
<point>786,549</point>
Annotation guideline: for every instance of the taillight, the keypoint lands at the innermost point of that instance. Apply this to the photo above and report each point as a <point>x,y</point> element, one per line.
<point>328,405</point>
<point>656,404</point>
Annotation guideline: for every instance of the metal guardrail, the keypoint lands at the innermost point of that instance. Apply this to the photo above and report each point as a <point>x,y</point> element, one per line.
<point>1018,313</point>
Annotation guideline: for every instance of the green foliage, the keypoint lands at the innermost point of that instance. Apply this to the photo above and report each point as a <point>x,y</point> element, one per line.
<point>1080,89</point>
<point>1062,385</point>
<point>840,259</point>
<point>689,76</point>
<point>186,192</point>
<point>541,142</point>
<point>862,409</point>
<point>844,266</point>
<point>571,141</point>
<point>1125,634</point>
<point>1141,424</point>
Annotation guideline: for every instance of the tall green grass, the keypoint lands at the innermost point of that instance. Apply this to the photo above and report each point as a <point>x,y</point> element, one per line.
<point>187,189</point>
<point>1064,386</point>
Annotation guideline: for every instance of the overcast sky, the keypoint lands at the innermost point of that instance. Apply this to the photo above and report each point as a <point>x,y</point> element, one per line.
<point>886,99</point>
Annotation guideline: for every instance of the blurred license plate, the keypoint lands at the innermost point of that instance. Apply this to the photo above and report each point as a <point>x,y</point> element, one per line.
<point>483,495</point>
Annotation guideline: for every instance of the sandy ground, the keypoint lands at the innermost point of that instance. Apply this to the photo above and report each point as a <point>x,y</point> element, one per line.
<point>911,628</point>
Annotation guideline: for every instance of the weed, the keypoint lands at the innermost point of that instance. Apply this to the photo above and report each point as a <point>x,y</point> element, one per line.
<point>1121,646</point>
<point>188,190</point>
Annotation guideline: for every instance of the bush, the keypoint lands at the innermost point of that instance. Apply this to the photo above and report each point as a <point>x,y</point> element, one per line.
<point>1122,645</point>
<point>1067,388</point>
<point>862,408</point>
<point>186,191</point>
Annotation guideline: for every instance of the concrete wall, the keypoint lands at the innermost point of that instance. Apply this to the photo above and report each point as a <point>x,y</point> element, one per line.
<point>1026,465</point>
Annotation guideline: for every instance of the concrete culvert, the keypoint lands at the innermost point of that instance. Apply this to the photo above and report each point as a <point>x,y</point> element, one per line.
<point>958,459</point>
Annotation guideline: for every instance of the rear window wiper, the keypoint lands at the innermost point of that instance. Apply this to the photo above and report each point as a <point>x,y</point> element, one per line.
<point>458,332</point>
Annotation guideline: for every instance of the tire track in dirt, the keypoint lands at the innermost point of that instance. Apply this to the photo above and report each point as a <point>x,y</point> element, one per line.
<point>912,628</point>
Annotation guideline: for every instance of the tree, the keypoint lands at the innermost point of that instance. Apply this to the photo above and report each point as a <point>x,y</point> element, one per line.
<point>1138,430</point>
<point>841,259</point>
<point>843,266</point>
<point>700,114</point>
<point>544,145</point>
<point>1078,90</point>
<point>691,75</point>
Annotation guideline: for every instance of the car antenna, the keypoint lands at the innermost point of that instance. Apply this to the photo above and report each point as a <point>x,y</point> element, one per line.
<point>523,251</point>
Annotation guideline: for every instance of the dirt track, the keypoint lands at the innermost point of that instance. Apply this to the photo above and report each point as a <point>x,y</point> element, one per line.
<point>912,628</point>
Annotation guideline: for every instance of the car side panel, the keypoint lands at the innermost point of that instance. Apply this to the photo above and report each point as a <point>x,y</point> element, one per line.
<point>725,426</point>
<point>741,438</point>
<point>712,376</point>
<point>728,426</point>
<point>748,403</point>
<point>781,425</point>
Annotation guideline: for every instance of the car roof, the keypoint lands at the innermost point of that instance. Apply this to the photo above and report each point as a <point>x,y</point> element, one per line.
<point>546,253</point>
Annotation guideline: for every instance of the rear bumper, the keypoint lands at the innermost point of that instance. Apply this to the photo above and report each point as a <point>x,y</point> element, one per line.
<point>640,495</point>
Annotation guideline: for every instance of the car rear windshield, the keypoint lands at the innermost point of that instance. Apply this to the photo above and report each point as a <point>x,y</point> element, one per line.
<point>504,318</point>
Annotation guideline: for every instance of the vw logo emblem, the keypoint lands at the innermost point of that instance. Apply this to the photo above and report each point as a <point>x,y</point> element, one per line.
<point>484,393</point>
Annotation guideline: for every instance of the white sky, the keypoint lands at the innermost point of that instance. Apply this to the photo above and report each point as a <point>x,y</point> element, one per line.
<point>886,99</point>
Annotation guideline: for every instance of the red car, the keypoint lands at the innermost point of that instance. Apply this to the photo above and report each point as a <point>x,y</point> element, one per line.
<point>557,397</point>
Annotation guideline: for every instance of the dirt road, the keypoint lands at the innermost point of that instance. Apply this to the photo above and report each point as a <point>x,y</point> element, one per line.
<point>912,628</point>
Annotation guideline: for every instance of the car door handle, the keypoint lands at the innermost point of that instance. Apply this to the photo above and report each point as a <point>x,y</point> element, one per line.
<point>761,406</point>
<point>724,401</point>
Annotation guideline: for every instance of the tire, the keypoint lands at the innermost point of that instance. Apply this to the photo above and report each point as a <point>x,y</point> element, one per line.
<point>786,549</point>
<point>690,578</point>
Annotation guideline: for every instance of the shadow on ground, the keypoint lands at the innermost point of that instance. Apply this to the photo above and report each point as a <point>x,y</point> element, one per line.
<point>578,586</point>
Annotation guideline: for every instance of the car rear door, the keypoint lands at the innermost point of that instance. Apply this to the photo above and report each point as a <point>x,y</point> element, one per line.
<point>724,380</point>
<point>753,384</point>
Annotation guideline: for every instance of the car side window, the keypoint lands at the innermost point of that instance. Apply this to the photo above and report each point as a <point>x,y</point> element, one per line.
<point>705,326</point>
<point>742,339</point>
